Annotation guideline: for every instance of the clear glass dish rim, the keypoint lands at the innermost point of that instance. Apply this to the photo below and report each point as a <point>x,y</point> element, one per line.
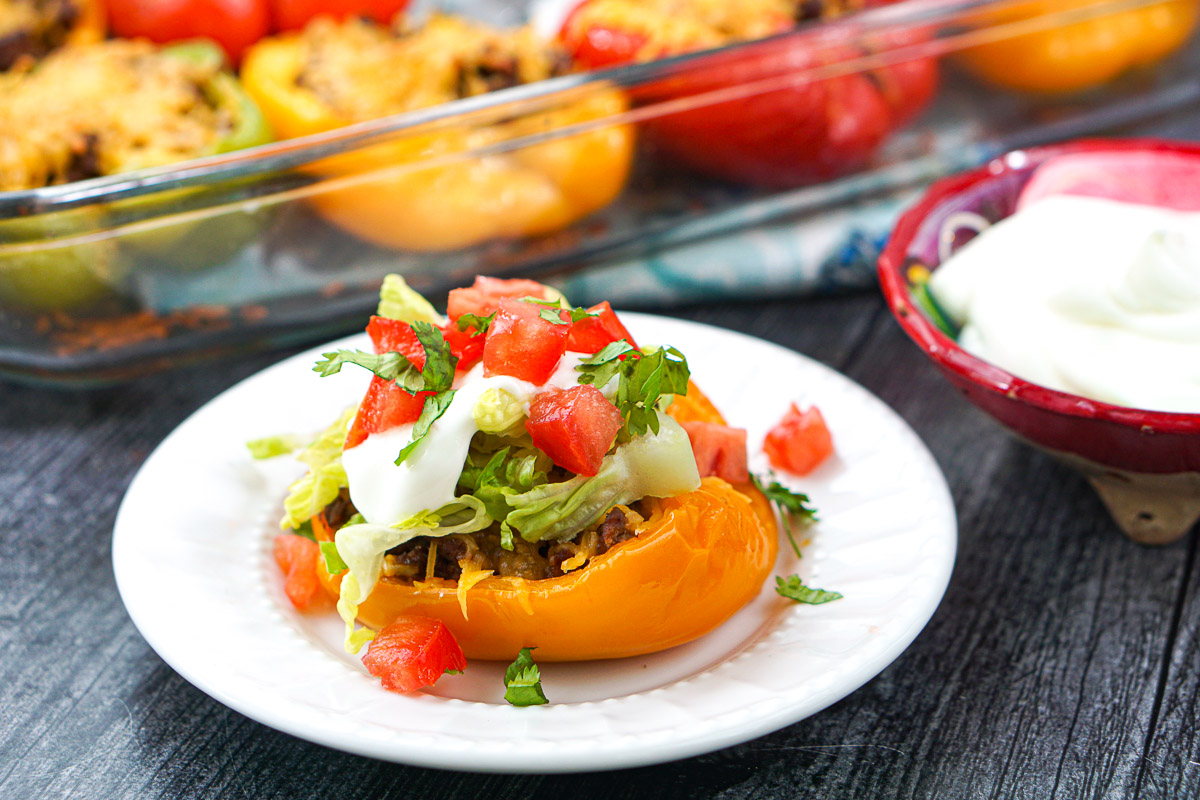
<point>287,154</point>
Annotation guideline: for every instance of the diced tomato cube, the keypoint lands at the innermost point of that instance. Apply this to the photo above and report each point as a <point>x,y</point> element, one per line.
<point>800,442</point>
<point>719,450</point>
<point>483,297</point>
<point>575,427</point>
<point>297,559</point>
<point>466,345</point>
<point>522,344</point>
<point>413,652</point>
<point>394,336</point>
<point>384,407</point>
<point>591,334</point>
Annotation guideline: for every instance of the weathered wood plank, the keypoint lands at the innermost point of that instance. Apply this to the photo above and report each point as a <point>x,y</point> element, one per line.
<point>1172,764</point>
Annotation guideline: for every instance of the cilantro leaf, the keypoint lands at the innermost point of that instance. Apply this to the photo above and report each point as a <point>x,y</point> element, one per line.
<point>434,407</point>
<point>555,315</point>
<point>644,378</point>
<point>389,366</point>
<point>305,530</point>
<point>793,506</point>
<point>794,589</point>
<point>480,324</point>
<point>333,561</point>
<point>523,681</point>
<point>439,361</point>
<point>600,368</point>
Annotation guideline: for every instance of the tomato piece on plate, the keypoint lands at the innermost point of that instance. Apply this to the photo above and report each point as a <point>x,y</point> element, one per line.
<point>800,442</point>
<point>591,334</point>
<point>719,450</point>
<point>522,344</point>
<point>297,560</point>
<point>483,297</point>
<point>413,652</point>
<point>575,427</point>
<point>384,407</point>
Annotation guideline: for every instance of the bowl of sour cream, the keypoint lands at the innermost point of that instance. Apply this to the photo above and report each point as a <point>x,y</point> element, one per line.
<point>1059,289</point>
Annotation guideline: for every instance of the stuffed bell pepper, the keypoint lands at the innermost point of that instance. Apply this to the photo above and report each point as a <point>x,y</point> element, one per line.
<point>102,109</point>
<point>335,74</point>
<point>526,475</point>
<point>1056,58</point>
<point>808,130</point>
<point>32,29</point>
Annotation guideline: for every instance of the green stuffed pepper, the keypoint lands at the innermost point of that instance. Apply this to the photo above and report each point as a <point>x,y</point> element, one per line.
<point>103,109</point>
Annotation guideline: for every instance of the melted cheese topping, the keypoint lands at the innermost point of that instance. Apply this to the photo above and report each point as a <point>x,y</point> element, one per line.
<point>678,26</point>
<point>446,59</point>
<point>101,109</point>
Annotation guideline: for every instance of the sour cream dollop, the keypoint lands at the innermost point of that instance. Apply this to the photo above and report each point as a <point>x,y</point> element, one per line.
<point>386,493</point>
<point>1085,295</point>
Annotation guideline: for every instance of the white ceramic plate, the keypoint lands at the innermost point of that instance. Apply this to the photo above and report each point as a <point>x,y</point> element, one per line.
<point>191,552</point>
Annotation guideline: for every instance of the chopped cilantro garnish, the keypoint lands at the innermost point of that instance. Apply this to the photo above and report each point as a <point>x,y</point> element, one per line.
<point>644,378</point>
<point>388,366</point>
<point>480,324</point>
<point>439,361</point>
<point>305,530</point>
<point>555,315</point>
<point>794,589</point>
<point>523,681</point>
<point>436,376</point>
<point>434,407</point>
<point>333,562</point>
<point>793,506</point>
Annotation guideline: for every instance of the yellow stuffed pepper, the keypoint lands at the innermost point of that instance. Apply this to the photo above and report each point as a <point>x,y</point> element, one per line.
<point>1080,55</point>
<point>336,74</point>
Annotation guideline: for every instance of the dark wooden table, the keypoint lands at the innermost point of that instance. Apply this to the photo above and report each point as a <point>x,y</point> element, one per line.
<point>1061,664</point>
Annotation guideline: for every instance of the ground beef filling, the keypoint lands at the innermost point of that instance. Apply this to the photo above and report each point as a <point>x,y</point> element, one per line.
<point>412,561</point>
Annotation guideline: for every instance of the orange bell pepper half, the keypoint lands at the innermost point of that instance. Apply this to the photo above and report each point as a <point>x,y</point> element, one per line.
<point>695,561</point>
<point>1080,55</point>
<point>391,194</point>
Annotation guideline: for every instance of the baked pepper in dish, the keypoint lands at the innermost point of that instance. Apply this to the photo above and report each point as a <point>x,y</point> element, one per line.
<point>798,128</point>
<point>336,74</point>
<point>103,109</point>
<point>32,29</point>
<point>1079,55</point>
<point>511,472</point>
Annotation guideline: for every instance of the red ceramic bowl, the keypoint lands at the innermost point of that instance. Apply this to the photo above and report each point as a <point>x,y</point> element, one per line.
<point>1144,464</point>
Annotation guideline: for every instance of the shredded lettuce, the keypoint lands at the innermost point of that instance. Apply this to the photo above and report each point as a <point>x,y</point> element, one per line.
<point>652,465</point>
<point>498,411</point>
<point>308,496</point>
<point>272,446</point>
<point>397,300</point>
<point>506,472</point>
<point>362,547</point>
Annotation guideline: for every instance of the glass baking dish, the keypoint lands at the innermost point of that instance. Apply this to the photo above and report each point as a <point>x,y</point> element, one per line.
<point>110,278</point>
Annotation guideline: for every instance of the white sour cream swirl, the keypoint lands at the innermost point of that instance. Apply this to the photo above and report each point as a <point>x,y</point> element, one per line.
<point>1090,296</point>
